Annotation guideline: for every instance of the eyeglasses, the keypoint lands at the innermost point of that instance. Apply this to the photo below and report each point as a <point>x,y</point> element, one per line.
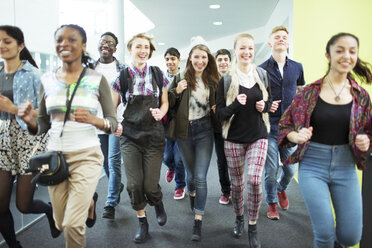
<point>107,42</point>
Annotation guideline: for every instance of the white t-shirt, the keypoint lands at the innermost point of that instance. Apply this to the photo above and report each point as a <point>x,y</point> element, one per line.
<point>281,66</point>
<point>110,72</point>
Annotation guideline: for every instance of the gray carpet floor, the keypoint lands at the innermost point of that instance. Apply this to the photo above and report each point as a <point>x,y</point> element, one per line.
<point>293,230</point>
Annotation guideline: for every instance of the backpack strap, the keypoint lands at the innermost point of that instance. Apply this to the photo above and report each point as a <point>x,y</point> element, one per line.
<point>126,82</point>
<point>157,74</point>
<point>178,77</point>
<point>226,84</point>
<point>263,76</point>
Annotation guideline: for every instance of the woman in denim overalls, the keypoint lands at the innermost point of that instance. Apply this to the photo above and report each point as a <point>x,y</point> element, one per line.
<point>142,142</point>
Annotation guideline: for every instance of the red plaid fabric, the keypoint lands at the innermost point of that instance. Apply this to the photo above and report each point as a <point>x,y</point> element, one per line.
<point>236,155</point>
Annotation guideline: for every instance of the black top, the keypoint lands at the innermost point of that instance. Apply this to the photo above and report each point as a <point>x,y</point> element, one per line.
<point>330,123</point>
<point>247,125</point>
<point>6,89</point>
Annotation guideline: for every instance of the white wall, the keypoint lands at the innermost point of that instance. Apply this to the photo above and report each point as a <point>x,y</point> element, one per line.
<point>6,12</point>
<point>38,20</point>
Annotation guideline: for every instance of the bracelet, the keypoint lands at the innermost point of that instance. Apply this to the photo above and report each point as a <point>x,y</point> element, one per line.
<point>104,124</point>
<point>108,124</point>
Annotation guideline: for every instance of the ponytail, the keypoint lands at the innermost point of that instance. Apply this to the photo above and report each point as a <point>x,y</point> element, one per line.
<point>86,60</point>
<point>363,70</point>
<point>17,34</point>
<point>26,55</point>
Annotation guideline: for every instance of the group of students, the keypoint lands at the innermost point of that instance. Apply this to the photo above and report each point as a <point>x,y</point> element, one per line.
<point>251,114</point>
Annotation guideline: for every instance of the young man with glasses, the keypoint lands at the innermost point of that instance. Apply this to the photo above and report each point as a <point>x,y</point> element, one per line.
<point>110,67</point>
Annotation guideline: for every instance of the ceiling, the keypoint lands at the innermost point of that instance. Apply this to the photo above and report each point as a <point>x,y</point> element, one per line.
<point>177,21</point>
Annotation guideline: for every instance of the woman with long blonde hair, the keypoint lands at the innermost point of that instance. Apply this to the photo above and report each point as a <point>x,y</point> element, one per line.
<point>243,102</point>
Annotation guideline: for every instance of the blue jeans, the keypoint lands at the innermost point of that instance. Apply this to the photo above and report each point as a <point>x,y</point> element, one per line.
<point>110,146</point>
<point>196,151</point>
<point>327,173</point>
<point>272,185</point>
<point>173,160</point>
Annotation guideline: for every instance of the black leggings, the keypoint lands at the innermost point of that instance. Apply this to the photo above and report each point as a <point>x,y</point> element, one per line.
<point>24,201</point>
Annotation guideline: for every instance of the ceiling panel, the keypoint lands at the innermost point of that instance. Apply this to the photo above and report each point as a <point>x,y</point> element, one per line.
<point>177,21</point>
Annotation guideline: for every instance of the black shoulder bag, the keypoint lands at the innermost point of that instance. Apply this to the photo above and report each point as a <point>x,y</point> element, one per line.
<point>51,168</point>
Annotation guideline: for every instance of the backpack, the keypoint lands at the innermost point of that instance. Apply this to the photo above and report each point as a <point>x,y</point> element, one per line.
<point>126,81</point>
<point>261,73</point>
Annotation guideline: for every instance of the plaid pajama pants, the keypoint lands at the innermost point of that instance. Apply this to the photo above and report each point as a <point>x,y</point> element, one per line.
<point>236,154</point>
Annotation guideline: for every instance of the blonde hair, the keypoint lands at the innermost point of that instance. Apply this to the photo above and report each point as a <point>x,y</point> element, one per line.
<point>234,63</point>
<point>142,36</point>
<point>240,36</point>
<point>233,90</point>
<point>279,28</point>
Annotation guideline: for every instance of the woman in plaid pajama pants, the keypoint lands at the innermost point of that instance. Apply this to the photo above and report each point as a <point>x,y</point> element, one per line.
<point>243,108</point>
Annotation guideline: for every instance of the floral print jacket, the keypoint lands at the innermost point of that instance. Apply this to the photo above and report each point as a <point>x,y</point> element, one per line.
<point>299,113</point>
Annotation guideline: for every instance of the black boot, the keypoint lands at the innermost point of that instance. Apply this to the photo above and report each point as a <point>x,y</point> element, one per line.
<point>18,245</point>
<point>161,215</point>
<point>252,237</point>
<point>196,231</point>
<point>192,200</point>
<point>239,226</point>
<point>142,233</point>
<point>53,229</point>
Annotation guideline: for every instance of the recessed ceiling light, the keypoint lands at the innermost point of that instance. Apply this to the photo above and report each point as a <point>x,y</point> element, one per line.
<point>214,6</point>
<point>217,23</point>
<point>161,43</point>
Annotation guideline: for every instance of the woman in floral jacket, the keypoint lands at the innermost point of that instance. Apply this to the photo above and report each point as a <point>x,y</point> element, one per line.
<point>331,123</point>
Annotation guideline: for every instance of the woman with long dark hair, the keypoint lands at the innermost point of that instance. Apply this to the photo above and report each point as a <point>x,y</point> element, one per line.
<point>19,80</point>
<point>80,145</point>
<point>330,120</point>
<point>194,97</point>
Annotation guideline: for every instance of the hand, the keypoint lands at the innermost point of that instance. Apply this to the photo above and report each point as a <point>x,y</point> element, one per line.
<point>118,131</point>
<point>214,108</point>
<point>275,106</point>
<point>156,113</point>
<point>362,142</point>
<point>6,105</point>
<point>83,116</point>
<point>301,136</point>
<point>260,105</point>
<point>242,99</point>
<point>25,112</point>
<point>181,86</point>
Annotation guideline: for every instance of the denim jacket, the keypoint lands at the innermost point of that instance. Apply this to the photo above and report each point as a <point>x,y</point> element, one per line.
<point>299,113</point>
<point>25,87</point>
